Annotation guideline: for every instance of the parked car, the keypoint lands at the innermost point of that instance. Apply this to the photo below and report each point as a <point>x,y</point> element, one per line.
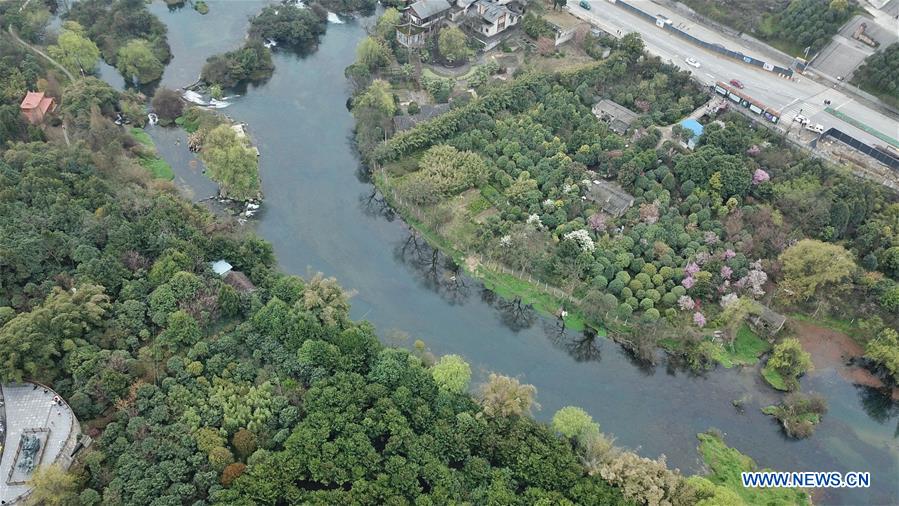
<point>818,128</point>
<point>801,119</point>
<point>736,83</point>
<point>692,62</point>
<point>584,5</point>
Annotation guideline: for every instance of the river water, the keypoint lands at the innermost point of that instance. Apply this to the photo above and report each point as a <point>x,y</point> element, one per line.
<point>322,214</point>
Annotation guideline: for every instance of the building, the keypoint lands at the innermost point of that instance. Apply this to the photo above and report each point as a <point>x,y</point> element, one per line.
<point>421,18</point>
<point>493,17</point>
<point>696,128</point>
<point>612,199</point>
<point>229,276</point>
<point>36,106</point>
<point>618,117</point>
<point>564,25</point>
<point>767,322</point>
<point>427,13</point>
<point>408,121</point>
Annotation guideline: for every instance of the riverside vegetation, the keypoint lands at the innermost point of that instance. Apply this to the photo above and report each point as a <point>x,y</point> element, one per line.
<point>198,393</point>
<point>503,184</point>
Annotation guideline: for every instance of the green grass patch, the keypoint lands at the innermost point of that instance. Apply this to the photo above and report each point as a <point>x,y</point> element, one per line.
<point>158,167</point>
<point>747,347</point>
<point>774,379</point>
<point>142,137</point>
<point>508,286</point>
<point>478,205</point>
<point>149,158</point>
<point>727,463</point>
<point>671,344</point>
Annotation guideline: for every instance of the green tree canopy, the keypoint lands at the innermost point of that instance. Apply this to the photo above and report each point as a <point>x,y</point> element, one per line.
<point>452,44</point>
<point>137,62</point>
<point>232,163</point>
<point>452,373</point>
<point>74,50</point>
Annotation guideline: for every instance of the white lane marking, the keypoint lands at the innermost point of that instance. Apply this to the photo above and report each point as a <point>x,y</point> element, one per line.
<point>837,108</point>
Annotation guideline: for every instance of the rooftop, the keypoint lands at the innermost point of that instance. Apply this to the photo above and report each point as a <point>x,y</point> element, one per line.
<point>32,99</point>
<point>427,112</point>
<point>426,8</point>
<point>694,126</point>
<point>239,281</point>
<point>32,412</point>
<point>618,116</point>
<point>610,197</point>
<point>562,20</point>
<point>220,267</point>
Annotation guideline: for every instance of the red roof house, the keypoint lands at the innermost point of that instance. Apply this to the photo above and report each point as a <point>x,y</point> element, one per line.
<point>36,106</point>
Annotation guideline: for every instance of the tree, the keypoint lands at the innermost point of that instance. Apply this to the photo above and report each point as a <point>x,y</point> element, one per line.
<point>790,361</point>
<point>574,423</point>
<point>377,97</point>
<point>74,50</point>
<point>371,53</point>
<point>244,443</point>
<point>452,44</point>
<point>385,28</point>
<point>167,104</point>
<point>232,163</point>
<point>884,351</point>
<point>52,486</point>
<point>452,373</point>
<point>289,25</point>
<point>507,397</point>
<point>812,267</point>
<point>137,62</point>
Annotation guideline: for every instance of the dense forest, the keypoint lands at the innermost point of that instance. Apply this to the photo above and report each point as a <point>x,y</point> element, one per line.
<point>879,74</point>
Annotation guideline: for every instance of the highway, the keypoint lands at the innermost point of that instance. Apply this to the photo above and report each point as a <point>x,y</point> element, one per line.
<point>788,96</point>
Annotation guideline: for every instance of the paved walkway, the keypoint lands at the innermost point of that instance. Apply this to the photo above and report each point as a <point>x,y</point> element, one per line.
<point>38,51</point>
<point>29,406</point>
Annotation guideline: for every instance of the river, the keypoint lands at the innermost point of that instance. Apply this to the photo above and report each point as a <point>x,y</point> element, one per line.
<point>321,214</point>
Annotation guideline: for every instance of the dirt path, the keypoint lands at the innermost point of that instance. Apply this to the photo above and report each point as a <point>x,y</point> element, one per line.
<point>38,51</point>
<point>831,349</point>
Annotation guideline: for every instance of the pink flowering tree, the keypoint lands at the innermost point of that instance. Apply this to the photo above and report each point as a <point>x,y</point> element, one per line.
<point>699,319</point>
<point>760,176</point>
<point>691,269</point>
<point>726,272</point>
<point>688,282</point>
<point>686,303</point>
<point>597,223</point>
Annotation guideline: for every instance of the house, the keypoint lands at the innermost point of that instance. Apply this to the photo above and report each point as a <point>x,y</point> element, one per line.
<point>564,25</point>
<point>767,322</point>
<point>229,276</point>
<point>492,17</point>
<point>35,106</point>
<point>421,18</point>
<point>618,117</point>
<point>427,112</point>
<point>696,128</point>
<point>612,199</point>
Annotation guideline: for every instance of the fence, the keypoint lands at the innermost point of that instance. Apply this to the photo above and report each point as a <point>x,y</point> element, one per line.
<point>666,25</point>
<point>881,156</point>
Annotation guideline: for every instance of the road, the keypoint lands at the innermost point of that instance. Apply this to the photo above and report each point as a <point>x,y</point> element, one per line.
<point>788,96</point>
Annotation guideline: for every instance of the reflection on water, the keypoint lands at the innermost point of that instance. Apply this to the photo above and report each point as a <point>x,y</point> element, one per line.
<point>322,214</point>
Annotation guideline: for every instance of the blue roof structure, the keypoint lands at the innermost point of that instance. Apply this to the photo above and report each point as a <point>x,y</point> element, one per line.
<point>694,126</point>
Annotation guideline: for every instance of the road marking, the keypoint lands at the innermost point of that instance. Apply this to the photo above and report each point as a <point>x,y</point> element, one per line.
<point>837,108</point>
<point>710,75</point>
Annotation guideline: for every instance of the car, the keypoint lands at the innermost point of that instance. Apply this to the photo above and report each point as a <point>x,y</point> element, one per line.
<point>584,5</point>
<point>692,62</point>
<point>817,128</point>
<point>736,83</point>
<point>801,119</point>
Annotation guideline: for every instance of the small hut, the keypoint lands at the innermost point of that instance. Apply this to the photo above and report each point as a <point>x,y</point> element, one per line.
<point>768,322</point>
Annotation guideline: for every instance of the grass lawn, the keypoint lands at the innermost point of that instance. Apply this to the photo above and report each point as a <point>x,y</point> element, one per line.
<point>508,286</point>
<point>747,348</point>
<point>727,463</point>
<point>150,160</point>
<point>774,379</point>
